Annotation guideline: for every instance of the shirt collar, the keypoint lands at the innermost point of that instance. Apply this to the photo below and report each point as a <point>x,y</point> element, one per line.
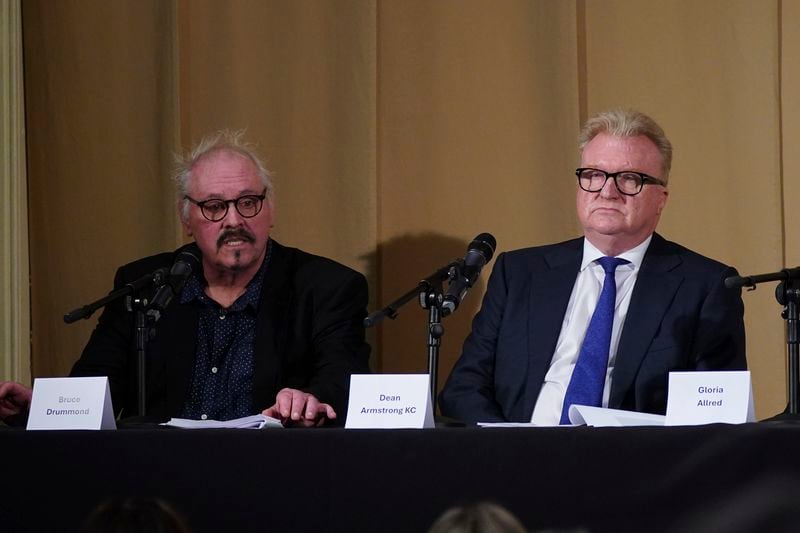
<point>252,295</point>
<point>634,256</point>
<point>193,290</point>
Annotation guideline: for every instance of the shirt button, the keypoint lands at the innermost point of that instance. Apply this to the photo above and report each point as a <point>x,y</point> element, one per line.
<point>213,370</point>
<point>222,315</point>
<point>203,417</point>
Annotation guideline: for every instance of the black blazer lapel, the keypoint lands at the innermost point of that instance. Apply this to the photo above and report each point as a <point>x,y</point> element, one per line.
<point>177,346</point>
<point>655,289</point>
<point>549,297</point>
<point>272,326</point>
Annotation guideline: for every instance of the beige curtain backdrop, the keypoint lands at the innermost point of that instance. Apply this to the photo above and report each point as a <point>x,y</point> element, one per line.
<point>400,129</point>
<point>15,325</point>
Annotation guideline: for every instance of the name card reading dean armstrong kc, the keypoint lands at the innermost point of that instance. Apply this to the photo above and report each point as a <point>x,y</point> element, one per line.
<point>71,403</point>
<point>389,401</point>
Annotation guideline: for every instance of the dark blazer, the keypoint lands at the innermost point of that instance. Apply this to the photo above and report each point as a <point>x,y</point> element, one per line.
<point>309,336</point>
<point>681,317</point>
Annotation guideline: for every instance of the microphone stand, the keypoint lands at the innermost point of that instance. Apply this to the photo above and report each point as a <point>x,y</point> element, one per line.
<point>144,320</point>
<point>430,296</point>
<point>432,301</point>
<point>787,293</point>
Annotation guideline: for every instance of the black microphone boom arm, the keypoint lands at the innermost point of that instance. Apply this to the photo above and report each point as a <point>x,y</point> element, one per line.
<point>155,278</point>
<point>751,281</point>
<point>390,311</point>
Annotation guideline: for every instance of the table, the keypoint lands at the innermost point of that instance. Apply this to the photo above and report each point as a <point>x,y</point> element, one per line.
<point>603,479</point>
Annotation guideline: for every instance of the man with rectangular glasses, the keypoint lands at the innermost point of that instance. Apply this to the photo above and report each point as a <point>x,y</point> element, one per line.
<point>261,327</point>
<point>600,320</point>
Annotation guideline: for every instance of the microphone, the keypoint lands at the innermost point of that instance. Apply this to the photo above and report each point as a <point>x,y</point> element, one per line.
<point>734,282</point>
<point>186,261</point>
<point>479,252</point>
<point>786,274</point>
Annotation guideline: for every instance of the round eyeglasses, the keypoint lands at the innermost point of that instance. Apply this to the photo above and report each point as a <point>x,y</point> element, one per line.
<point>628,182</point>
<point>215,209</point>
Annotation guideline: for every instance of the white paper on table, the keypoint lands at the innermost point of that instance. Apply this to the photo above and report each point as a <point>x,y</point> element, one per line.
<point>604,417</point>
<point>507,425</point>
<point>248,422</point>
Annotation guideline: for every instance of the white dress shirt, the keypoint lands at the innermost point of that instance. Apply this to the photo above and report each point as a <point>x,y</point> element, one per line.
<point>585,294</point>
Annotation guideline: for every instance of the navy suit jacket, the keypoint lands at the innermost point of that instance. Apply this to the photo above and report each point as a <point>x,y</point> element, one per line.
<point>681,317</point>
<point>309,336</point>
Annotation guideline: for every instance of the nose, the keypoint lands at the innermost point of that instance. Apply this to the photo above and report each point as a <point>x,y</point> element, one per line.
<point>609,189</point>
<point>232,217</point>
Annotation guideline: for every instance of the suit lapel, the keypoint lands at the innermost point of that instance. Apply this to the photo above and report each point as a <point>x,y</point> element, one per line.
<point>179,330</point>
<point>655,289</point>
<point>271,327</point>
<point>549,296</point>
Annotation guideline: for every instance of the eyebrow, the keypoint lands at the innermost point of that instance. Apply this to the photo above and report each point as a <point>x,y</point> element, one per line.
<point>245,192</point>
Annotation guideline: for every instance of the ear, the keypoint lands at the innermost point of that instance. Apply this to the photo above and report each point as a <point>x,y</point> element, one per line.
<point>184,220</point>
<point>271,206</point>
<point>664,197</point>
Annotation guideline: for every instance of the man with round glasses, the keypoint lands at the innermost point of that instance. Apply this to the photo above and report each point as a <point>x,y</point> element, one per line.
<point>600,320</point>
<point>262,327</point>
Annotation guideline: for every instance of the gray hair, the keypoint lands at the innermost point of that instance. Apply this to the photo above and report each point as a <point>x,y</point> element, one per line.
<point>224,140</point>
<point>628,123</point>
<point>482,517</point>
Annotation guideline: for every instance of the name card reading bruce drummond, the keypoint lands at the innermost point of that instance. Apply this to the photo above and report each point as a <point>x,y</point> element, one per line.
<point>71,403</point>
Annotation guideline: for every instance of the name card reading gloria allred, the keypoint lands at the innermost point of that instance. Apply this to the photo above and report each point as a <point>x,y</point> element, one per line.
<point>696,398</point>
<point>389,401</point>
<point>71,403</point>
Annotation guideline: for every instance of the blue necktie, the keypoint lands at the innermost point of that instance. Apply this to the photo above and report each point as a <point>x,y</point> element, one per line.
<point>589,376</point>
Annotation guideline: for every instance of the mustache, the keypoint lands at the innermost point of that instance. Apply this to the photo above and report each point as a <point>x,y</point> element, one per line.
<point>240,234</point>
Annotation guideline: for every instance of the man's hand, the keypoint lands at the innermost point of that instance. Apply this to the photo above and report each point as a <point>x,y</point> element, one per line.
<point>297,408</point>
<point>15,399</point>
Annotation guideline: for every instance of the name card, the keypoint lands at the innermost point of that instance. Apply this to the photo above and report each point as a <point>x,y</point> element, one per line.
<point>71,403</point>
<point>696,398</point>
<point>389,401</point>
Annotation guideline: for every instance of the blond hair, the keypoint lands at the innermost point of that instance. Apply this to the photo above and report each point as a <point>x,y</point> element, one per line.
<point>628,123</point>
